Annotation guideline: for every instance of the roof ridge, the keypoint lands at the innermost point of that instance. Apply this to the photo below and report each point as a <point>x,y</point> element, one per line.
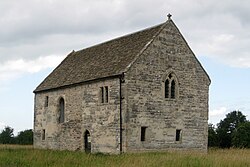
<point>119,37</point>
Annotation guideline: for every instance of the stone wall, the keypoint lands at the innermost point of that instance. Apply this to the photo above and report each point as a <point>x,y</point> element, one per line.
<point>146,103</point>
<point>83,111</point>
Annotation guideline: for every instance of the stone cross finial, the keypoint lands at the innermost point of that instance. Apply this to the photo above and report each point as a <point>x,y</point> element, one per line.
<point>169,16</point>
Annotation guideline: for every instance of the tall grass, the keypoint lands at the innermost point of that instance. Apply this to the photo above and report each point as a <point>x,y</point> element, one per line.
<point>26,156</point>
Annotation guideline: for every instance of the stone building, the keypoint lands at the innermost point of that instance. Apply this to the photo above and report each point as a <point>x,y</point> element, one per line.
<point>145,91</point>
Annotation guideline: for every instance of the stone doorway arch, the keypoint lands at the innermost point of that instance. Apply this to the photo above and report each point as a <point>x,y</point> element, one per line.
<point>87,142</point>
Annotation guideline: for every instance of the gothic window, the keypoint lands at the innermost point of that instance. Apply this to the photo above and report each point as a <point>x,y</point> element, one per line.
<point>170,87</point>
<point>173,89</point>
<point>61,110</point>
<point>167,88</point>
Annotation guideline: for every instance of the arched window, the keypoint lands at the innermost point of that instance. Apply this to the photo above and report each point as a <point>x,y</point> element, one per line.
<point>170,86</point>
<point>167,88</point>
<point>173,89</point>
<point>61,110</point>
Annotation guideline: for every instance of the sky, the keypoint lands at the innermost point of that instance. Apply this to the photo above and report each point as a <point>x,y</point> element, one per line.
<point>36,35</point>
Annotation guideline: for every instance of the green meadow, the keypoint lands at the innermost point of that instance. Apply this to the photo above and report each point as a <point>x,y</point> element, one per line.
<point>27,156</point>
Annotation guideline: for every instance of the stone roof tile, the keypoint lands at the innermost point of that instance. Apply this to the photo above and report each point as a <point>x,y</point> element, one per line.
<point>103,60</point>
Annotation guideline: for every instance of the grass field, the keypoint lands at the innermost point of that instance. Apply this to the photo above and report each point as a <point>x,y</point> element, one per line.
<point>25,156</point>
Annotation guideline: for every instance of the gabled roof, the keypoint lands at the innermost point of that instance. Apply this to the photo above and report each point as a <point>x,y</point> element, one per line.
<point>104,60</point>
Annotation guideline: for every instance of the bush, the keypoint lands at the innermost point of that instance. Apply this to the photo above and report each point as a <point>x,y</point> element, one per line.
<point>24,137</point>
<point>241,137</point>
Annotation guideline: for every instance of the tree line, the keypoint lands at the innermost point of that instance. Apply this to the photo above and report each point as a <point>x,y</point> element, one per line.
<point>24,137</point>
<point>232,131</point>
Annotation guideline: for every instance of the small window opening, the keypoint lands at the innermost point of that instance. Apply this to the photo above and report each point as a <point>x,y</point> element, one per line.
<point>143,133</point>
<point>106,94</point>
<point>102,94</point>
<point>46,101</point>
<point>178,135</point>
<point>61,110</point>
<point>43,134</point>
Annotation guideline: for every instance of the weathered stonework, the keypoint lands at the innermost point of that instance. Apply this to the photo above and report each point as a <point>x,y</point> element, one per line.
<point>136,99</point>
<point>147,105</point>
<point>83,111</point>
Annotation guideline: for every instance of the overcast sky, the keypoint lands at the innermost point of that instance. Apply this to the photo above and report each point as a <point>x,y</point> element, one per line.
<point>35,35</point>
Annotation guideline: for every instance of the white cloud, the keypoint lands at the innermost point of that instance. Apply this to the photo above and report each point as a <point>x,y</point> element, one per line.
<point>213,28</point>
<point>218,112</point>
<point>215,115</point>
<point>2,125</point>
<point>15,68</point>
<point>230,49</point>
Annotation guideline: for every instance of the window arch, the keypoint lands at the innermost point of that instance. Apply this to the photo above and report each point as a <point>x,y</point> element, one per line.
<point>170,86</point>
<point>61,110</point>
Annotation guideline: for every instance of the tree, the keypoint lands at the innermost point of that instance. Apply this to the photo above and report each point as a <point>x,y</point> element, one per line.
<point>241,136</point>
<point>6,136</point>
<point>227,126</point>
<point>212,136</point>
<point>25,137</point>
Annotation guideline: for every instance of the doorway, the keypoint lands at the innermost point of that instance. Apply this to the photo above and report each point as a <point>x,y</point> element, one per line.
<point>87,142</point>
